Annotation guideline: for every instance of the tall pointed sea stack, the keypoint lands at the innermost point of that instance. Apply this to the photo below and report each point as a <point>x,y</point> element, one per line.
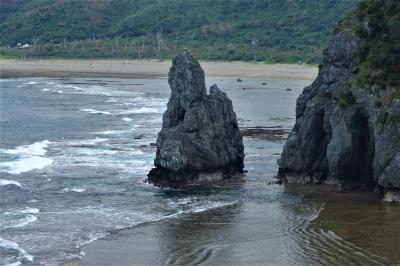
<point>200,141</point>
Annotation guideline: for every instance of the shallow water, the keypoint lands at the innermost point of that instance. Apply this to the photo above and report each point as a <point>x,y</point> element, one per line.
<point>74,155</point>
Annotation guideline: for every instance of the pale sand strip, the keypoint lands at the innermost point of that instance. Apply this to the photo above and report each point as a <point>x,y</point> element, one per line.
<point>147,69</point>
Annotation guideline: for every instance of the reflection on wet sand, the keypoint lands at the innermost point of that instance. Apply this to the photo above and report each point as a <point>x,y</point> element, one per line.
<point>352,228</point>
<point>197,238</point>
<point>295,228</point>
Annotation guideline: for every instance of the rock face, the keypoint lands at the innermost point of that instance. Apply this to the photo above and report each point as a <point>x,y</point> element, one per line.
<point>342,136</point>
<point>200,139</point>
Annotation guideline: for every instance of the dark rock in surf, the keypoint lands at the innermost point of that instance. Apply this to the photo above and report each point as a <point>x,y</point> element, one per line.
<point>200,141</point>
<point>339,137</point>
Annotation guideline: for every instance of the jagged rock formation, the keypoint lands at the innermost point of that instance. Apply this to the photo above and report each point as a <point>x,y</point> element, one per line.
<point>200,140</point>
<point>343,134</point>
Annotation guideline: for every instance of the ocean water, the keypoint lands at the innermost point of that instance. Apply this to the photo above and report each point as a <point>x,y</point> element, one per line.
<point>74,155</point>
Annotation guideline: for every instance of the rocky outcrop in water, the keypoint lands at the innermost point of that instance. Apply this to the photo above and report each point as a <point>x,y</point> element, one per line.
<point>343,134</point>
<point>200,141</point>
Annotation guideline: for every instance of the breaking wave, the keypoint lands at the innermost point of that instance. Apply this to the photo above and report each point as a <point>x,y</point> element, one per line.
<point>25,158</point>
<point>92,111</point>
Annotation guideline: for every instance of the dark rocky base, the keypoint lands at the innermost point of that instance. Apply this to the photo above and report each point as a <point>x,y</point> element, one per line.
<point>392,196</point>
<point>341,185</point>
<point>300,179</point>
<point>165,178</point>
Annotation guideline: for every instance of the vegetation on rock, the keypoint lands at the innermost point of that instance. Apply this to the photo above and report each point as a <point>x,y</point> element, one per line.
<point>347,99</point>
<point>378,25</point>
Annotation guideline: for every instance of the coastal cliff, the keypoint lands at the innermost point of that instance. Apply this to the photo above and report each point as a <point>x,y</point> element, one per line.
<point>347,129</point>
<point>200,141</point>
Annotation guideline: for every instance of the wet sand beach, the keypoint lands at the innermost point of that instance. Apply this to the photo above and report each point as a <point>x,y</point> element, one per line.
<point>344,233</point>
<point>146,69</point>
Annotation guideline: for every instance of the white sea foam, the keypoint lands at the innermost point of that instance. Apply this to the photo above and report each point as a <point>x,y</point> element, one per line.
<point>23,221</point>
<point>137,126</point>
<point>52,91</point>
<point>92,111</point>
<point>139,99</point>
<point>137,152</point>
<point>91,90</point>
<point>156,102</point>
<point>93,152</point>
<point>30,210</point>
<point>74,189</point>
<point>142,110</point>
<point>212,205</point>
<point>87,141</point>
<point>126,119</point>
<point>109,91</point>
<point>127,218</point>
<point>25,164</point>
<point>153,121</point>
<point>73,87</point>
<point>98,90</point>
<point>17,263</point>
<point>7,244</point>
<point>37,148</point>
<point>111,100</point>
<point>5,182</point>
<point>316,214</point>
<point>29,157</point>
<point>110,161</point>
<point>32,200</point>
<point>24,211</point>
<point>111,132</point>
<point>91,238</point>
<point>145,102</point>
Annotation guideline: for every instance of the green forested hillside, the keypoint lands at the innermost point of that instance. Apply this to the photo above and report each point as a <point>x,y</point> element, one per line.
<point>266,30</point>
<point>378,24</point>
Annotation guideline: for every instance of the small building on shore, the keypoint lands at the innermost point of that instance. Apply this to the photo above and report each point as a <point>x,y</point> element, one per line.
<point>23,46</point>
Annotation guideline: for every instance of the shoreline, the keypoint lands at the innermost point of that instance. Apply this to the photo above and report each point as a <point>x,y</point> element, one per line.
<point>146,69</point>
<point>140,245</point>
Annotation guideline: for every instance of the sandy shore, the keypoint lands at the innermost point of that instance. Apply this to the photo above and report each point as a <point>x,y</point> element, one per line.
<point>146,69</point>
<point>239,235</point>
